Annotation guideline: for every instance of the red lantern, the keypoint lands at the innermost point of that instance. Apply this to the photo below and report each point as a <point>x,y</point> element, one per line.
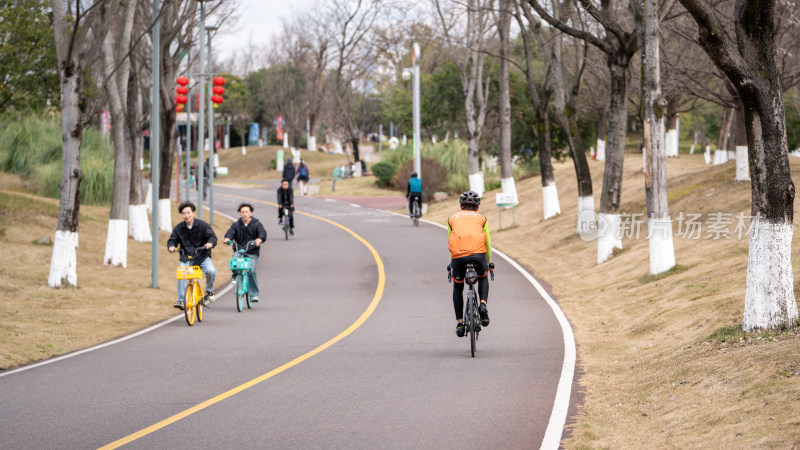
<point>219,81</point>
<point>183,81</point>
<point>219,90</point>
<point>179,108</point>
<point>183,90</point>
<point>216,98</point>
<point>180,99</point>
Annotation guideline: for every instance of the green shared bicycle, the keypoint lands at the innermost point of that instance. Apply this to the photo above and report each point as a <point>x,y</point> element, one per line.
<point>240,266</point>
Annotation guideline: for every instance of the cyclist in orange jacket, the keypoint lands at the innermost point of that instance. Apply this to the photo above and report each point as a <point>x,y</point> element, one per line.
<point>468,242</point>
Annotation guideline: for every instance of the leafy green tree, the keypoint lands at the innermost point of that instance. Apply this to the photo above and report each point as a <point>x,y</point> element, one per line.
<point>28,63</point>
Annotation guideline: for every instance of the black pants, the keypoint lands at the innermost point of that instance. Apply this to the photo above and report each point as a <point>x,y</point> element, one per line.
<point>291,215</point>
<point>459,269</point>
<point>411,198</point>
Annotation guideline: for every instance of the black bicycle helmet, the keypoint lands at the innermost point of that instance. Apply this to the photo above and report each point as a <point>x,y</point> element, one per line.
<point>470,198</point>
<point>413,174</point>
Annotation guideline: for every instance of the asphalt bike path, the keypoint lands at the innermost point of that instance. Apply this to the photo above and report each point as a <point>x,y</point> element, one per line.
<point>397,376</point>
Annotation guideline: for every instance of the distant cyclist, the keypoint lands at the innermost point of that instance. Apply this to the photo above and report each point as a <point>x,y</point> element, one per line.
<point>244,230</point>
<point>414,191</point>
<point>286,201</point>
<point>189,235</point>
<point>468,242</point>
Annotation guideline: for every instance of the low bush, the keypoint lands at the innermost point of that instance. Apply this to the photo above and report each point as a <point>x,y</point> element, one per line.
<point>384,172</point>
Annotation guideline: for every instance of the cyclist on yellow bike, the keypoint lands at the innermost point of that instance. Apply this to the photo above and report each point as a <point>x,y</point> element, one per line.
<point>468,242</point>
<point>189,235</point>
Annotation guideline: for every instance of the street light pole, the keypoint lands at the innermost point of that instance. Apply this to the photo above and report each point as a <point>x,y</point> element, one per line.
<point>155,137</point>
<point>188,126</point>
<point>415,55</point>
<point>211,142</point>
<point>201,119</point>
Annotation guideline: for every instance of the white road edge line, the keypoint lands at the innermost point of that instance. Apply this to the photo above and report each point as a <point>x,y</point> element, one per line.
<point>116,341</point>
<point>558,416</point>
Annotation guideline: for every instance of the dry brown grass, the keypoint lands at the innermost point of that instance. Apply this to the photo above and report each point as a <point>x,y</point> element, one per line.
<point>39,322</point>
<point>652,376</point>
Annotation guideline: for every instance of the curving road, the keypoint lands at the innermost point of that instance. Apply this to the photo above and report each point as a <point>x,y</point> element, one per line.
<point>352,346</point>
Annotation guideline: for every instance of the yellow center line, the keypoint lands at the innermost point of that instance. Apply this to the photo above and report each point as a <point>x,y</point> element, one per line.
<point>360,321</point>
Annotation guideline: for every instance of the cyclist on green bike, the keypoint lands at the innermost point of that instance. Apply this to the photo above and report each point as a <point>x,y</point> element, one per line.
<point>189,235</point>
<point>414,191</point>
<point>244,230</point>
<point>468,242</point>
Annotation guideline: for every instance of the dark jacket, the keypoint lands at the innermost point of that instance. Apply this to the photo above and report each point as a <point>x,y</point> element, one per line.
<point>200,234</point>
<point>285,197</point>
<point>288,170</point>
<point>243,234</point>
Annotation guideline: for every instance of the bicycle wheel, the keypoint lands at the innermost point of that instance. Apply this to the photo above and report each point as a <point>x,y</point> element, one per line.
<point>286,229</point>
<point>470,318</point>
<point>189,309</point>
<point>199,311</point>
<point>248,297</point>
<point>416,213</point>
<point>238,293</point>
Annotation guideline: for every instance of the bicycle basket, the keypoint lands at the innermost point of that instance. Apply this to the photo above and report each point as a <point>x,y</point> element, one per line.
<point>239,263</point>
<point>189,273</point>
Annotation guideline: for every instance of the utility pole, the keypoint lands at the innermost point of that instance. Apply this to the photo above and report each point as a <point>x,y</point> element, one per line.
<point>155,136</point>
<point>415,55</point>
<point>201,131</point>
<point>211,142</point>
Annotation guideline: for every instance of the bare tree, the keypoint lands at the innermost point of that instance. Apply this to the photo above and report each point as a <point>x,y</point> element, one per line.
<point>619,45</point>
<point>648,16</point>
<point>77,29</point>
<point>465,43</point>
<point>116,64</point>
<point>503,20</point>
<point>750,64</point>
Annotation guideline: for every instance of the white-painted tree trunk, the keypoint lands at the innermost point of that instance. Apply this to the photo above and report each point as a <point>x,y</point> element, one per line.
<point>662,250</point>
<point>508,186</point>
<point>550,205</point>
<point>138,223</point>
<point>769,301</point>
<point>586,217</point>
<point>601,150</point>
<point>609,236</point>
<point>707,154</point>
<point>64,262</point>
<point>312,143</point>
<point>720,156</point>
<point>285,139</point>
<point>116,243</point>
<point>164,214</point>
<point>244,150</point>
<point>742,164</point>
<point>148,198</point>
<point>476,183</point>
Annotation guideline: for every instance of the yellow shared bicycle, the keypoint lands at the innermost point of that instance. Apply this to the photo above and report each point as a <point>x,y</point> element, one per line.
<point>193,300</point>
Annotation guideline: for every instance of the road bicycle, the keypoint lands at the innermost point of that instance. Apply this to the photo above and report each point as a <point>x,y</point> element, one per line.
<point>286,221</point>
<point>194,298</point>
<point>416,211</point>
<point>472,318</point>
<point>240,265</point>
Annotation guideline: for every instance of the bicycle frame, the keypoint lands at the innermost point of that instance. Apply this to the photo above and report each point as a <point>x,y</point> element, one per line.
<point>239,264</point>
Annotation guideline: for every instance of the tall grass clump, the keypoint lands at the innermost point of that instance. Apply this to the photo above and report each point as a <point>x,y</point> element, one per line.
<point>31,147</point>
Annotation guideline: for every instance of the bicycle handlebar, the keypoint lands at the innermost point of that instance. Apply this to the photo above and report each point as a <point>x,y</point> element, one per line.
<point>238,248</point>
<point>450,272</point>
<point>183,252</point>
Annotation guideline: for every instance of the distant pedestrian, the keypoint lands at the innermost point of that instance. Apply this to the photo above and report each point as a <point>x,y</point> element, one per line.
<point>302,178</point>
<point>288,171</point>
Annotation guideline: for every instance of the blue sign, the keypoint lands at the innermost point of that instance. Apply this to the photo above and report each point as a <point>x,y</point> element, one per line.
<point>253,135</point>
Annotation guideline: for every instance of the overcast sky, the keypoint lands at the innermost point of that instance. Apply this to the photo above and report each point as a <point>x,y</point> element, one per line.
<point>258,21</point>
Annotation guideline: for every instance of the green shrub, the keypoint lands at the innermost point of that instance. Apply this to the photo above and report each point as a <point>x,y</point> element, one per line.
<point>384,172</point>
<point>31,147</point>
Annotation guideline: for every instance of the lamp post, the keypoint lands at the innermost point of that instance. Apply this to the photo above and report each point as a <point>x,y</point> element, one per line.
<point>155,136</point>
<point>211,146</point>
<point>201,131</point>
<point>415,55</point>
